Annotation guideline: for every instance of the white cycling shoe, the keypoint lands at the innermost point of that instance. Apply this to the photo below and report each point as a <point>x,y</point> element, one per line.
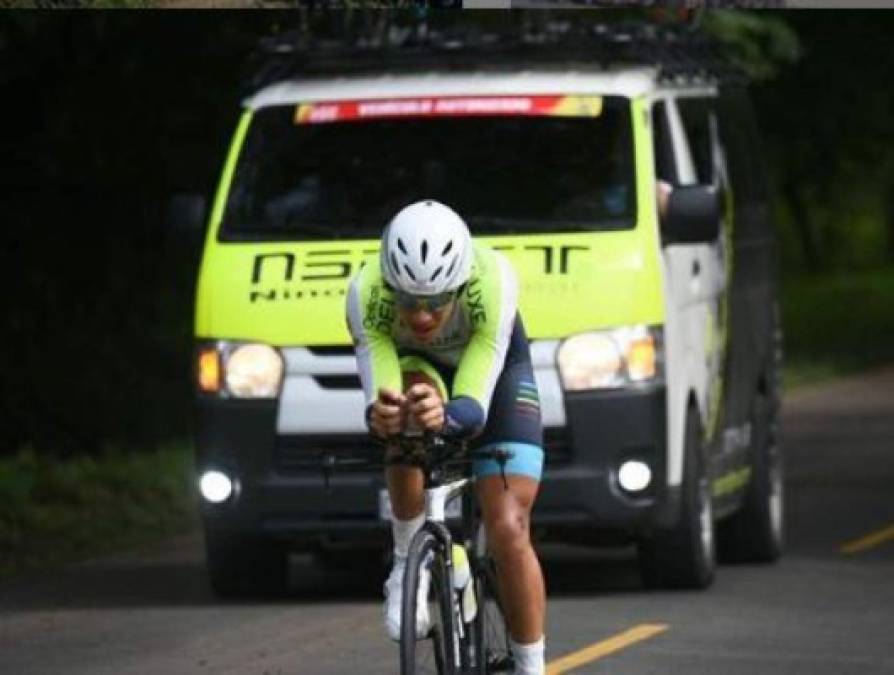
<point>394,597</point>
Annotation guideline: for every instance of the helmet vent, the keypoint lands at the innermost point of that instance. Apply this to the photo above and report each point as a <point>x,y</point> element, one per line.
<point>400,245</point>
<point>452,265</point>
<point>437,272</point>
<point>394,265</point>
<point>424,250</point>
<point>409,273</point>
<point>447,248</point>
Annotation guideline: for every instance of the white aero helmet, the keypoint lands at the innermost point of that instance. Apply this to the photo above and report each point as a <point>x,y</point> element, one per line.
<point>426,250</point>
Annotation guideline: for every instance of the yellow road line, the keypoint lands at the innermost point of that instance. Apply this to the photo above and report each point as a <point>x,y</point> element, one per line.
<point>600,649</point>
<point>869,541</point>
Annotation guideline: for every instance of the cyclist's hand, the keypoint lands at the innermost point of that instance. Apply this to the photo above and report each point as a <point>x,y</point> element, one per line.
<point>386,418</point>
<point>426,406</point>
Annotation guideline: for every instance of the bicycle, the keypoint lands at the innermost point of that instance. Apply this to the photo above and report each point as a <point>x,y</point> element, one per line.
<point>468,633</point>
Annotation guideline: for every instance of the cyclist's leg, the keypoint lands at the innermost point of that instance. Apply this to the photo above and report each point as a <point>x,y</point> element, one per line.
<point>514,424</point>
<point>405,483</point>
<point>506,515</point>
<point>406,491</point>
<point>405,488</point>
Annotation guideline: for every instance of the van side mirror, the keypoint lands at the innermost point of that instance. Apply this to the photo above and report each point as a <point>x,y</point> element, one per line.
<point>186,214</point>
<point>693,215</point>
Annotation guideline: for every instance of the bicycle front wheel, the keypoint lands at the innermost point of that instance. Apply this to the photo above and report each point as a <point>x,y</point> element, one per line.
<point>435,651</point>
<point>491,632</point>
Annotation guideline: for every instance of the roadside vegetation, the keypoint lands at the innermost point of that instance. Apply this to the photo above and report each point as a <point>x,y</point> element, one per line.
<point>837,324</point>
<point>57,511</point>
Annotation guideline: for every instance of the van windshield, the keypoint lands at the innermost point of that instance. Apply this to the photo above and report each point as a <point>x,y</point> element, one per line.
<point>504,174</point>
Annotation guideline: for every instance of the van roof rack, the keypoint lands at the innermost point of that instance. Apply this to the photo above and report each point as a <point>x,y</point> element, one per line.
<point>677,5</point>
<point>680,53</point>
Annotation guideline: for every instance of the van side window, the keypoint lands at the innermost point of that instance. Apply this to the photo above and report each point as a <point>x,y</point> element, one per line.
<point>664,154</point>
<point>736,142</point>
<point>739,133</point>
<point>696,114</point>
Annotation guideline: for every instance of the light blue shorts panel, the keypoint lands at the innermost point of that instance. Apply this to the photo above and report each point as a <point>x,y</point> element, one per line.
<point>527,461</point>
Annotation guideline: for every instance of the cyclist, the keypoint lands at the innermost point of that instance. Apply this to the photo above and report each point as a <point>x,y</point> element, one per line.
<point>438,295</point>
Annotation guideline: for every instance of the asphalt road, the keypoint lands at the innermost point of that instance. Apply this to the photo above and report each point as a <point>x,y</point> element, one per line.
<point>820,610</point>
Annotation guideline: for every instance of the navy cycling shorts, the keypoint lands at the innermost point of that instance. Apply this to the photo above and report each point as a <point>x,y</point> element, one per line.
<point>513,424</point>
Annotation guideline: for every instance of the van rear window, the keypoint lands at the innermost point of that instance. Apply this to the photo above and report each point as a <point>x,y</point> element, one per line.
<point>503,173</point>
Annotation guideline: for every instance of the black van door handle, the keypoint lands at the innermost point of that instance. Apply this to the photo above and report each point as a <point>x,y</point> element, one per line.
<point>696,268</point>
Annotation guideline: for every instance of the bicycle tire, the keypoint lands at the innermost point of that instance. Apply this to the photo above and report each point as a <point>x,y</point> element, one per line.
<point>491,631</point>
<point>435,653</point>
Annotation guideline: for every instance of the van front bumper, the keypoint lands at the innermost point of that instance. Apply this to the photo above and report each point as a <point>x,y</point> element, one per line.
<point>603,429</point>
<point>283,489</point>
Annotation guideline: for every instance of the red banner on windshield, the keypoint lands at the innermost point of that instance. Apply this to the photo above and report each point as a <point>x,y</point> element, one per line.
<point>447,106</point>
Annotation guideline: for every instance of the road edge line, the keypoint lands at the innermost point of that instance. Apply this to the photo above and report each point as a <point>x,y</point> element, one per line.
<point>869,541</point>
<point>603,648</point>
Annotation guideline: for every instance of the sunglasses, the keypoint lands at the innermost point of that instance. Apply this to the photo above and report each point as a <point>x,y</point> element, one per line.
<point>429,303</point>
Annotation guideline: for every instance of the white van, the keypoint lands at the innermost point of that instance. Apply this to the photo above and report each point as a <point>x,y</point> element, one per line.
<point>655,336</point>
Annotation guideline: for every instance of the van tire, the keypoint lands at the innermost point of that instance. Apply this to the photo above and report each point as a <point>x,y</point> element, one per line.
<point>683,556</point>
<point>241,565</point>
<point>754,534</point>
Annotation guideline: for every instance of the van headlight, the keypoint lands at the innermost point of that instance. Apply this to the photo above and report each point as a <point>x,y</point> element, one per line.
<point>612,358</point>
<point>243,370</point>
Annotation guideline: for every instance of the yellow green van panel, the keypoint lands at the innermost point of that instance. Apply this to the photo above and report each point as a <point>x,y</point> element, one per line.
<point>217,211</point>
<point>291,293</point>
<point>223,189</point>
<point>294,293</point>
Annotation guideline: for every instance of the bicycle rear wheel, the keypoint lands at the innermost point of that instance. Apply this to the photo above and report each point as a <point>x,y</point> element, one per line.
<point>435,652</point>
<point>491,631</point>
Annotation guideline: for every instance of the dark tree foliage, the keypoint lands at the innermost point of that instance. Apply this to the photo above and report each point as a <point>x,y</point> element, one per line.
<point>827,123</point>
<point>107,115</point>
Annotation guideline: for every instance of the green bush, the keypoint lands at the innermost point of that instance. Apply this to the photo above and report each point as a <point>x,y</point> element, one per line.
<point>55,511</point>
<point>837,324</point>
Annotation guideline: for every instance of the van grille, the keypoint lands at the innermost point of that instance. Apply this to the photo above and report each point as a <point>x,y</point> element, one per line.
<point>338,381</point>
<point>331,350</point>
<point>299,453</point>
<point>557,447</point>
<point>294,453</point>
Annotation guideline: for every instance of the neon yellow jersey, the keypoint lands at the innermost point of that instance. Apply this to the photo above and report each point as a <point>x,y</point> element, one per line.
<point>473,340</point>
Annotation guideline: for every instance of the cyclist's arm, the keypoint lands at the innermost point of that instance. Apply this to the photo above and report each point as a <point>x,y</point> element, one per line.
<point>369,319</point>
<point>492,302</point>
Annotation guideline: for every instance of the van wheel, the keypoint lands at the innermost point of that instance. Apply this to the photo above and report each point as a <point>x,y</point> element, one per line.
<point>755,532</point>
<point>684,555</point>
<point>242,565</point>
